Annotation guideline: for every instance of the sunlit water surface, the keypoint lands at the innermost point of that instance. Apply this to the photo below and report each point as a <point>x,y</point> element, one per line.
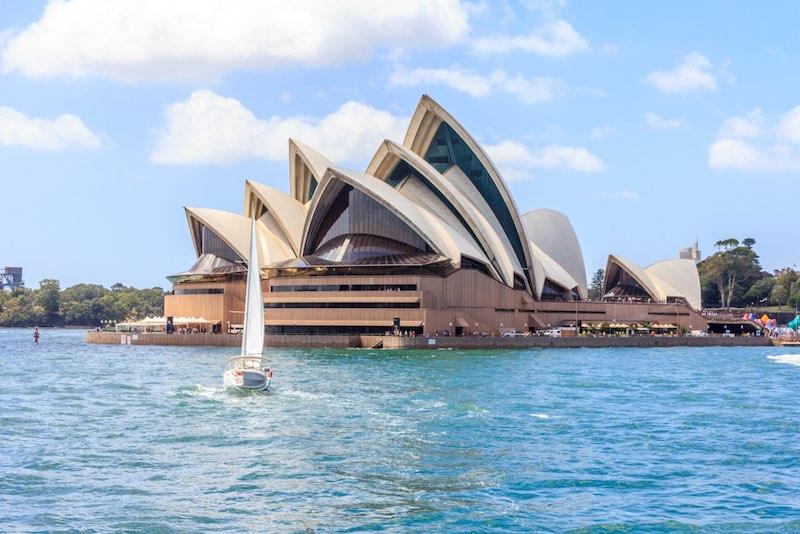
<point>116,437</point>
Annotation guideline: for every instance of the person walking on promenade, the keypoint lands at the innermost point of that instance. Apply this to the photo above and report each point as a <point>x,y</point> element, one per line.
<point>36,335</point>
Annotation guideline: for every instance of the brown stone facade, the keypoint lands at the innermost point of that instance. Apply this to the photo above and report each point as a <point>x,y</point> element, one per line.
<point>462,302</point>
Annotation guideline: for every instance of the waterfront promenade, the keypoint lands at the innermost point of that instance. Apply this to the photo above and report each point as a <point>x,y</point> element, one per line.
<point>397,342</point>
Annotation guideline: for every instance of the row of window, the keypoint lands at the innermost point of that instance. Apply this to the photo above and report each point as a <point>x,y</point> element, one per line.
<point>601,312</point>
<point>295,305</point>
<point>338,330</point>
<point>345,287</point>
<point>199,291</point>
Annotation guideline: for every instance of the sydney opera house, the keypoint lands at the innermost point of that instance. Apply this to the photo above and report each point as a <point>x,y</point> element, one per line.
<point>427,238</point>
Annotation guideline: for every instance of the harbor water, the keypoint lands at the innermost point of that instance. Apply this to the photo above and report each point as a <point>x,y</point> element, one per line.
<point>144,438</point>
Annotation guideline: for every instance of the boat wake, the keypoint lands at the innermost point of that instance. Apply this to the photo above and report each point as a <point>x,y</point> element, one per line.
<point>305,395</point>
<point>791,359</point>
<point>203,392</point>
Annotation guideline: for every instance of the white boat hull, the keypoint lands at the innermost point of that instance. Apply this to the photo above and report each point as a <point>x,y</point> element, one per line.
<point>246,379</point>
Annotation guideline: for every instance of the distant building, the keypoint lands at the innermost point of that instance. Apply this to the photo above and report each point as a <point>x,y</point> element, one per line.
<point>11,278</point>
<point>691,253</point>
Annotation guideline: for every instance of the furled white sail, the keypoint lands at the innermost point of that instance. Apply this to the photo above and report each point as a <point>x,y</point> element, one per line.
<point>253,336</point>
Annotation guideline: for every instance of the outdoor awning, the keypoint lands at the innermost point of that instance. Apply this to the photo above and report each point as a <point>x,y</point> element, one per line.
<point>460,321</point>
<point>162,321</point>
<point>664,326</point>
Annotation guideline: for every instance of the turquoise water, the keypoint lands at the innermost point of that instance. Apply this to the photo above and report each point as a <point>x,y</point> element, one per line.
<point>144,438</point>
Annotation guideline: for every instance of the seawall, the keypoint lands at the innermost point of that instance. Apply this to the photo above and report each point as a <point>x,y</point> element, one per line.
<point>393,342</point>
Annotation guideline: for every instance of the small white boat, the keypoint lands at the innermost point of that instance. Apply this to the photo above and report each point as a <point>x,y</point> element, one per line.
<point>248,372</point>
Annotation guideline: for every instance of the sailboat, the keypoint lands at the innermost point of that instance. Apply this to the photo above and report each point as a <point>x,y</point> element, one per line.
<point>247,371</point>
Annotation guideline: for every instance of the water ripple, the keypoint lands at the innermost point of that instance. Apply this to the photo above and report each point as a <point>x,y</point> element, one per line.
<point>107,438</point>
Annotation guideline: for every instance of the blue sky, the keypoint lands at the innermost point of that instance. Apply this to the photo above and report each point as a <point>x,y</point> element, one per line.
<point>647,124</point>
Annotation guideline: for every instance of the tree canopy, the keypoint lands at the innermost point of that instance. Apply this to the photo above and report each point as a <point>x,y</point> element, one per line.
<point>81,304</point>
<point>733,277</point>
<point>596,285</point>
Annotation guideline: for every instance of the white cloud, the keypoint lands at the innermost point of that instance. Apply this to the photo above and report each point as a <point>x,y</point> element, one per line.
<point>692,74</point>
<point>527,90</point>
<point>788,128</point>
<point>479,7</point>
<point>569,158</point>
<point>622,194</point>
<point>517,162</point>
<point>65,131</point>
<point>662,123</point>
<point>134,40</point>
<point>514,160</point>
<point>555,38</point>
<point>735,154</point>
<point>749,143</point>
<point>748,126</point>
<point>601,132</point>
<point>209,128</point>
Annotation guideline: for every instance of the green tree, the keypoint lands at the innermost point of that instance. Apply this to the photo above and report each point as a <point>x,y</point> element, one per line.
<point>749,242</point>
<point>19,309</point>
<point>794,296</point>
<point>779,295</point>
<point>727,244</point>
<point>81,304</point>
<point>48,296</point>
<point>731,272</point>
<point>596,286</point>
<point>760,291</point>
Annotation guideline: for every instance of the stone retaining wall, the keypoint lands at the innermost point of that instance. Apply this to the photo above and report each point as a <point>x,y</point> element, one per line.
<point>570,342</point>
<point>391,342</point>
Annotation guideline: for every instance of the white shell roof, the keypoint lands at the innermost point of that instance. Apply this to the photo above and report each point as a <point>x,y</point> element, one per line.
<point>665,279</point>
<point>305,161</point>
<point>552,232</point>
<point>234,229</point>
<point>552,269</point>
<point>678,278</point>
<point>495,249</point>
<point>439,235</point>
<point>285,216</point>
<point>424,123</point>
